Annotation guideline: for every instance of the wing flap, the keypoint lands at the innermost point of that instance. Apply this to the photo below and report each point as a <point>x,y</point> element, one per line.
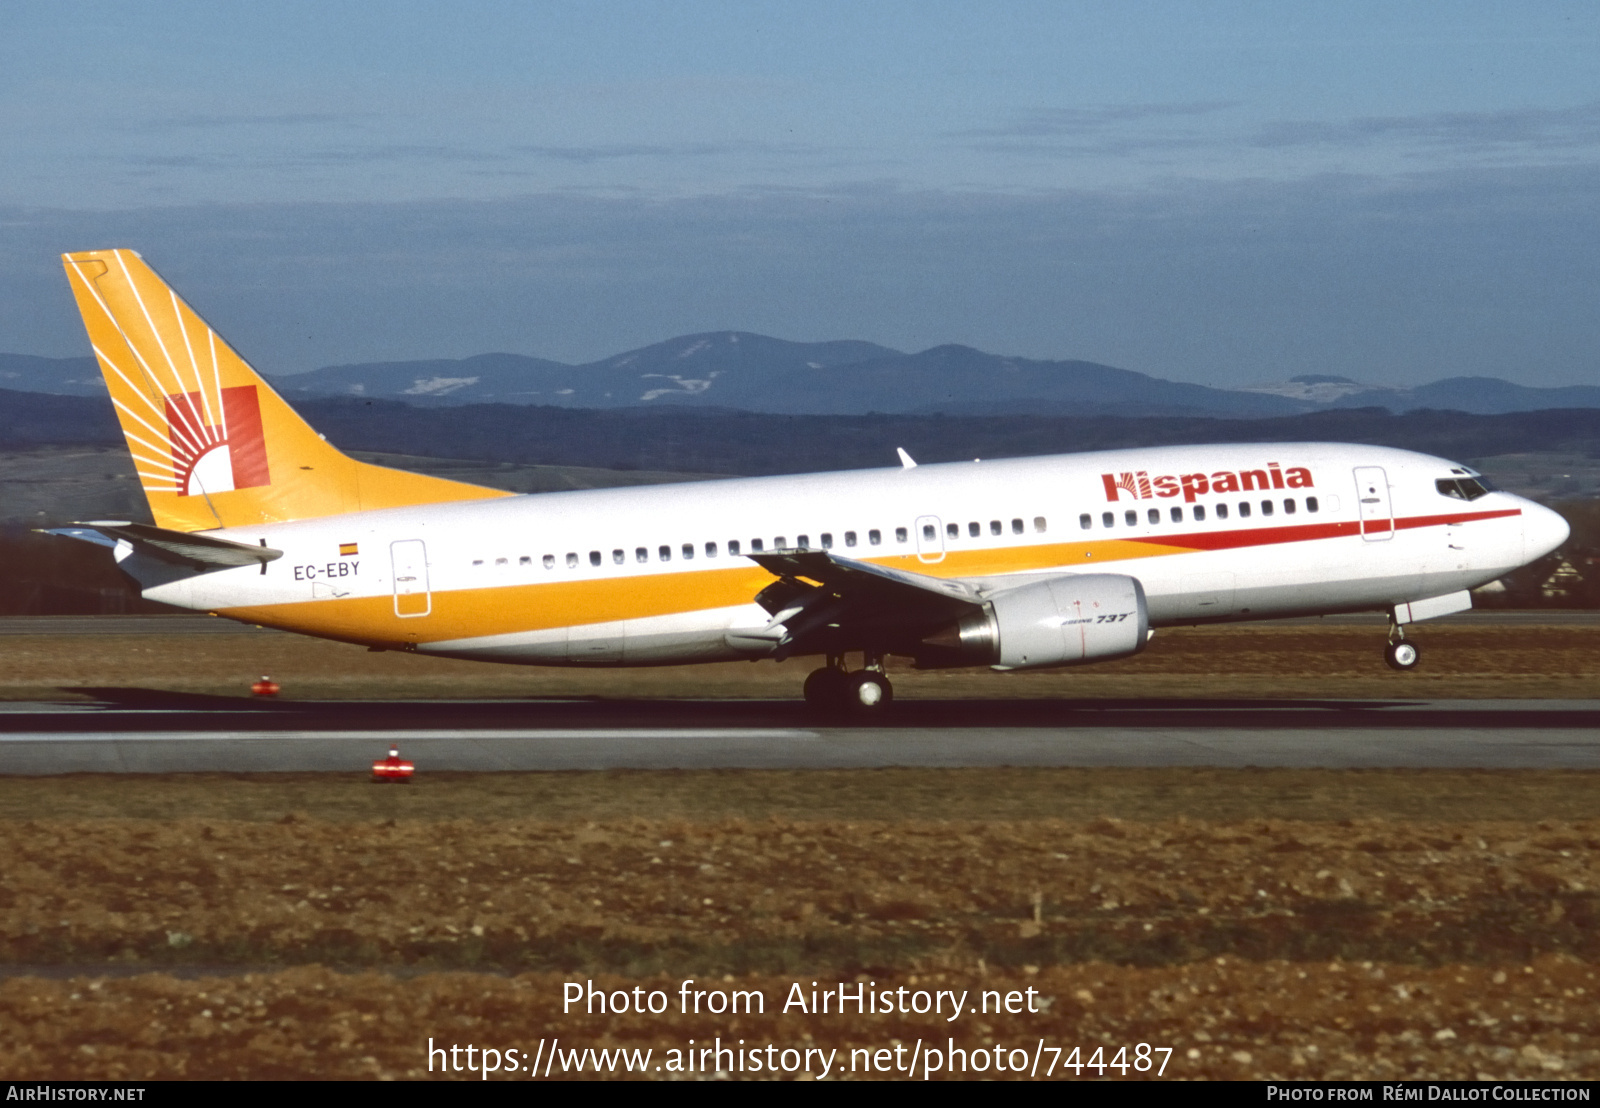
<point>825,603</point>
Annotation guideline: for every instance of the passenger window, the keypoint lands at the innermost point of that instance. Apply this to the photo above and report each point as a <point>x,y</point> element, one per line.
<point>594,557</point>
<point>477,561</point>
<point>899,534</point>
<point>572,560</point>
<point>500,561</point>
<point>1222,511</point>
<point>928,532</point>
<point>874,537</point>
<point>1266,507</point>
<point>1086,521</point>
<point>1039,524</point>
<point>994,527</point>
<point>549,561</point>
<point>525,560</point>
<point>953,530</point>
<point>803,542</point>
<point>1131,518</point>
<point>778,543</point>
<point>664,553</point>
<point>1288,507</point>
<point>1200,513</point>
<point>974,529</point>
<point>827,540</point>
<point>618,557</point>
<point>1016,527</point>
<point>755,546</point>
<point>641,555</point>
<point>849,538</point>
<point>1108,519</point>
<point>1244,509</point>
<point>733,548</point>
<point>1177,515</point>
<point>1154,515</point>
<point>1311,504</point>
<point>711,550</point>
<point>688,551</point>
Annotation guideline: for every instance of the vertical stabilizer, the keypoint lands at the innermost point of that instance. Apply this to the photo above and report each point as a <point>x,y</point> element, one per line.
<point>213,444</point>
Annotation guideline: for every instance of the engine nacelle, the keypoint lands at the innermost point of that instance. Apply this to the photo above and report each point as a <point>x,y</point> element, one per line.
<point>1061,621</point>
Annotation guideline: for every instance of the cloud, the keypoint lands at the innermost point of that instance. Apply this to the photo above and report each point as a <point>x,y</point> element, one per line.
<point>1094,120</point>
<point>520,160</point>
<point>1202,133</point>
<point>1534,128</point>
<point>285,119</point>
<point>588,155</point>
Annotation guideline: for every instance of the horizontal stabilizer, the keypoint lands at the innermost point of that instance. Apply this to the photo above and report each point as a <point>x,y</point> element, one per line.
<point>184,548</point>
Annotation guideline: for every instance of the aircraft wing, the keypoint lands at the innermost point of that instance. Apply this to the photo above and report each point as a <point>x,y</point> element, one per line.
<point>825,603</point>
<point>182,548</point>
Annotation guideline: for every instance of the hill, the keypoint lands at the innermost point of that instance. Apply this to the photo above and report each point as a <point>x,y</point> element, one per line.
<point>755,373</point>
<point>714,441</point>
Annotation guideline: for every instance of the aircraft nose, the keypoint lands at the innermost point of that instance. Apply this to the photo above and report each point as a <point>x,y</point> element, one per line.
<point>1542,530</point>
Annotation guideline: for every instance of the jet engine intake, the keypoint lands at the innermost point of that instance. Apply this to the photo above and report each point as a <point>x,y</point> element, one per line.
<point>1060,621</point>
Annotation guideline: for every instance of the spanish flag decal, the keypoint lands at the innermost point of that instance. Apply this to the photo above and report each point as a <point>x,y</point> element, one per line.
<point>346,549</point>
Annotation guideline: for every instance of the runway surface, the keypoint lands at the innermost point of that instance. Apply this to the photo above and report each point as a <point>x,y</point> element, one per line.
<point>137,731</point>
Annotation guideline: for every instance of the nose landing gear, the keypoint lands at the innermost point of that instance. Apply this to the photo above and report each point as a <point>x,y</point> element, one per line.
<point>834,690</point>
<point>1400,654</point>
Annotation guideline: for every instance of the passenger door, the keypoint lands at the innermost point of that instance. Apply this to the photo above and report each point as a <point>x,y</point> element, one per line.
<point>412,596</point>
<point>1372,499</point>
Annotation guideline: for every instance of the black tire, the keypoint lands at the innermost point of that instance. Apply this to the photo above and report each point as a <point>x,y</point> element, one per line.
<point>825,689</point>
<point>869,693</point>
<point>1402,656</point>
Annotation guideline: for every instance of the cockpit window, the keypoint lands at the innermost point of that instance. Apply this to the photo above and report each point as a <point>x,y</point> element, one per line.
<point>1464,488</point>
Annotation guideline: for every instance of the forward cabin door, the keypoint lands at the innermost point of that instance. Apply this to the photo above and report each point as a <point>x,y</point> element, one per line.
<point>411,594</point>
<point>1372,498</point>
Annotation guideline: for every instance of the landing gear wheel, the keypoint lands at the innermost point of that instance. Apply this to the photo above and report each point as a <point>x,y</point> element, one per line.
<point>869,693</point>
<point>825,689</point>
<point>1402,655</point>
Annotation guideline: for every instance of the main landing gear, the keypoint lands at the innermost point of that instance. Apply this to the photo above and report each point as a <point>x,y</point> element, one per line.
<point>836,690</point>
<point>1400,654</point>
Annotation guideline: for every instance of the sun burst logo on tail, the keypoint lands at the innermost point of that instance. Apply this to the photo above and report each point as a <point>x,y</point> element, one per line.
<point>220,456</point>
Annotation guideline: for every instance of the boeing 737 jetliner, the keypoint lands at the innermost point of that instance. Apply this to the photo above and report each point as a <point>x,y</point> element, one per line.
<point>1014,564</point>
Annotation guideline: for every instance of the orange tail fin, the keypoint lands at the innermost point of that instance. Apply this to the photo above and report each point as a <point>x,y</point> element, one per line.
<point>213,444</point>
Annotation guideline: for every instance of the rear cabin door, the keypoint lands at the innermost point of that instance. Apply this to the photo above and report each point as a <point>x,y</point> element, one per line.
<point>1372,498</point>
<point>411,594</point>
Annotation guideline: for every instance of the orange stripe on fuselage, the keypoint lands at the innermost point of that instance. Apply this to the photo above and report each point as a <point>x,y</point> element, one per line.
<point>546,605</point>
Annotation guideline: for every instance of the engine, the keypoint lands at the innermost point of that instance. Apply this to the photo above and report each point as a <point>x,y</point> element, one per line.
<point>1060,621</point>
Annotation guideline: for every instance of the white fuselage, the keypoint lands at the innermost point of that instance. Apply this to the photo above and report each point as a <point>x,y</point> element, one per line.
<point>658,575</point>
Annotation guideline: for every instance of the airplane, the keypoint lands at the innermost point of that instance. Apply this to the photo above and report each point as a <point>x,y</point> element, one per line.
<point>1013,564</point>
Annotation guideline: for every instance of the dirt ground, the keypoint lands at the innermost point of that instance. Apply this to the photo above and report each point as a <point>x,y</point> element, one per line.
<point>1303,660</point>
<point>1259,923</point>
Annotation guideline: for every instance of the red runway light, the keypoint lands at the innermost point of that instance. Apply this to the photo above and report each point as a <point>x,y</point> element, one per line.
<point>392,768</point>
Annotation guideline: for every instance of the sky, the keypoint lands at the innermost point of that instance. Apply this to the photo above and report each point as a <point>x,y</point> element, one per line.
<point>1225,192</point>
